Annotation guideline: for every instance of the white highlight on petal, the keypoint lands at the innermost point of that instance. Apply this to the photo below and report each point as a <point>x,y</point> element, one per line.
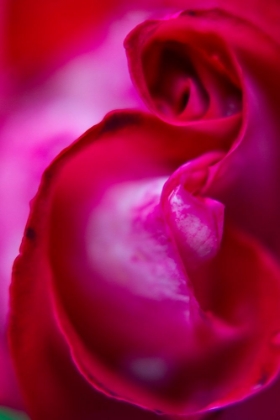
<point>198,235</point>
<point>196,222</point>
<point>149,368</point>
<point>128,244</point>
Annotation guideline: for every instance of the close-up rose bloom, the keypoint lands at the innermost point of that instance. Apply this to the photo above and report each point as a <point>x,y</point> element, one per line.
<point>139,185</point>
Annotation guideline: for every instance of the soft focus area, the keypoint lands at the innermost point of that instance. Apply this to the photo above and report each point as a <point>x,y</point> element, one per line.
<point>41,113</point>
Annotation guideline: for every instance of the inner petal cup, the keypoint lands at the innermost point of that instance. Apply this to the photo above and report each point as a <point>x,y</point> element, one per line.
<point>161,302</point>
<point>185,67</point>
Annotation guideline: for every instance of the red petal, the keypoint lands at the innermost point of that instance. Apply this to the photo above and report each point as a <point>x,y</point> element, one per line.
<point>204,337</point>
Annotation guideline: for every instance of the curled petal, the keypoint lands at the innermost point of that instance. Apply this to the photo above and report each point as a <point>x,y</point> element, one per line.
<point>222,57</point>
<point>159,302</point>
<point>184,68</point>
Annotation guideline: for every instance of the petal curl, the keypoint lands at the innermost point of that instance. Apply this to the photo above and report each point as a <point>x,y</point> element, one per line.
<point>184,67</point>
<point>247,179</point>
<point>179,326</point>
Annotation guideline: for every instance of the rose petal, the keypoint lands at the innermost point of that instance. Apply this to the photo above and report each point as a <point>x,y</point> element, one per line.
<point>196,336</point>
<point>247,180</point>
<point>184,68</point>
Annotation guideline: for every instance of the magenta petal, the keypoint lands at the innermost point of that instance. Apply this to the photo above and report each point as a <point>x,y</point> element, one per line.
<point>203,52</point>
<point>50,383</point>
<point>152,311</point>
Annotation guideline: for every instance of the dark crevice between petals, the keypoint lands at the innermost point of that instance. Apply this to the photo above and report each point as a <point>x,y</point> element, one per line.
<point>186,83</point>
<point>172,78</point>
